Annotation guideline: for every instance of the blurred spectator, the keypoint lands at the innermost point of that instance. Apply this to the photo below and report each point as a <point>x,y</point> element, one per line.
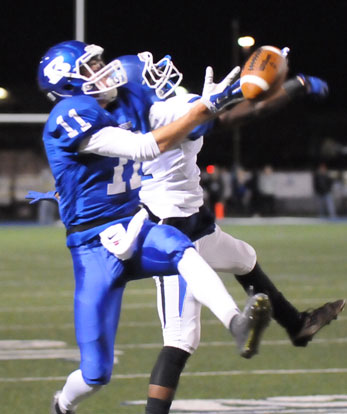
<point>240,191</point>
<point>322,184</point>
<point>213,185</point>
<point>254,196</point>
<point>226,177</point>
<point>267,188</point>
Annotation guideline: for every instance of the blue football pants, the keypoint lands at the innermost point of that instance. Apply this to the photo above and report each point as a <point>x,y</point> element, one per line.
<point>100,280</point>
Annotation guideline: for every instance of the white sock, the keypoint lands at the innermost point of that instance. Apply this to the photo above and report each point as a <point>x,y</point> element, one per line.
<point>75,390</point>
<point>207,287</point>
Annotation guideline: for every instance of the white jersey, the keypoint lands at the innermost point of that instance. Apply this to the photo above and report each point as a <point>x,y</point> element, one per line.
<point>172,188</point>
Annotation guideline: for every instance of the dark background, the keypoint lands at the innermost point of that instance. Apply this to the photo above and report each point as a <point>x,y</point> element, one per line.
<point>195,34</point>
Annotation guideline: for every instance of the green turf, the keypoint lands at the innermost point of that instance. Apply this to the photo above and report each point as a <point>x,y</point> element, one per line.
<point>308,262</point>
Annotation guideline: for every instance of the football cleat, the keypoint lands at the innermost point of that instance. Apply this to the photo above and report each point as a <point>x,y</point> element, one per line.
<point>248,326</point>
<point>315,320</point>
<point>55,409</point>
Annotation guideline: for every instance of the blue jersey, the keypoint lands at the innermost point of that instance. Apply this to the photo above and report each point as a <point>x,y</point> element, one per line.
<point>131,110</point>
<point>91,187</point>
<point>95,190</point>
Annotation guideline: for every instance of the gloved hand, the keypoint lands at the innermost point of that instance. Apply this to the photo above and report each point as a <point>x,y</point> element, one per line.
<point>314,86</point>
<point>216,96</point>
<point>285,52</point>
<point>36,196</point>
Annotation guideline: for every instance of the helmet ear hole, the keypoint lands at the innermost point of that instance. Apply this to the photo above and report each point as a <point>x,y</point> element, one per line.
<point>68,87</point>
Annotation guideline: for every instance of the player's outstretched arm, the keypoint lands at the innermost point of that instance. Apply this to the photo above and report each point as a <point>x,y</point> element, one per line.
<point>306,85</point>
<point>114,142</point>
<point>215,98</point>
<point>292,89</point>
<point>169,135</point>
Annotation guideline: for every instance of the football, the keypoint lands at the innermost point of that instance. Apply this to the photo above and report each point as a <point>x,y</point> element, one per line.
<point>263,73</point>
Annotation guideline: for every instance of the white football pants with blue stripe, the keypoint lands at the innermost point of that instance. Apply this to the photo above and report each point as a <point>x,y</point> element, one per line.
<point>178,310</point>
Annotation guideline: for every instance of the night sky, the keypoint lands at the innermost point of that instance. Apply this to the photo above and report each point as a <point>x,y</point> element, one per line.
<point>196,34</point>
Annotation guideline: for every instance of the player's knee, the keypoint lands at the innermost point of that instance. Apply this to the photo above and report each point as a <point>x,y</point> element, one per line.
<point>99,380</point>
<point>189,345</point>
<point>175,244</point>
<point>169,366</point>
<point>164,248</point>
<point>96,374</point>
<point>249,258</point>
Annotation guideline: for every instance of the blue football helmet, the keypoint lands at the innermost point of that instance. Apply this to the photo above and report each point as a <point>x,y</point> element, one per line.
<point>161,78</point>
<point>64,72</point>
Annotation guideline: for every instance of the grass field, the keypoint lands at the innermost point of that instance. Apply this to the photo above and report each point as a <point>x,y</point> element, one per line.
<point>37,347</point>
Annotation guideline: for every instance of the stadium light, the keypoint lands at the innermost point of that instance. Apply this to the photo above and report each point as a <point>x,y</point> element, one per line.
<point>246,41</point>
<point>4,94</point>
<point>210,169</point>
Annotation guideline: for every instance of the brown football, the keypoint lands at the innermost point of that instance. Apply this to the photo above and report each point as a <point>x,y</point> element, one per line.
<point>263,73</point>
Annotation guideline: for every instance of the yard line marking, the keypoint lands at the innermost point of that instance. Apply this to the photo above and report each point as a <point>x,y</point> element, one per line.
<point>68,308</point>
<point>69,293</point>
<point>71,354</point>
<point>11,344</point>
<point>16,349</point>
<point>275,342</point>
<point>147,305</point>
<point>47,349</point>
<point>41,326</point>
<point>279,342</point>
<point>306,404</point>
<point>130,324</point>
<point>198,374</point>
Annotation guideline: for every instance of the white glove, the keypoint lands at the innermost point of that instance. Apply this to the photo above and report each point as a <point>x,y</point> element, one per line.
<point>121,242</point>
<point>216,96</point>
<point>285,52</point>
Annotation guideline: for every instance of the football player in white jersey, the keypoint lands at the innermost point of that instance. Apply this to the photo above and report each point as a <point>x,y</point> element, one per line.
<point>171,192</point>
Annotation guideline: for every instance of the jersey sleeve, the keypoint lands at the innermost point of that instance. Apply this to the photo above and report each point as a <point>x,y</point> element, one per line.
<point>118,142</point>
<point>165,112</point>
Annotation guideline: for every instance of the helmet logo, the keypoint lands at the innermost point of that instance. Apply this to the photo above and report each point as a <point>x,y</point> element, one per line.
<point>56,70</point>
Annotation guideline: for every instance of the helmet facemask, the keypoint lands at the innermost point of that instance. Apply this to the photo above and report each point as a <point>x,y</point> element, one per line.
<point>103,83</point>
<point>162,76</point>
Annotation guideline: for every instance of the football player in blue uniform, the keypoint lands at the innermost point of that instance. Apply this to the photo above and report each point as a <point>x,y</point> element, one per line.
<point>96,164</point>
